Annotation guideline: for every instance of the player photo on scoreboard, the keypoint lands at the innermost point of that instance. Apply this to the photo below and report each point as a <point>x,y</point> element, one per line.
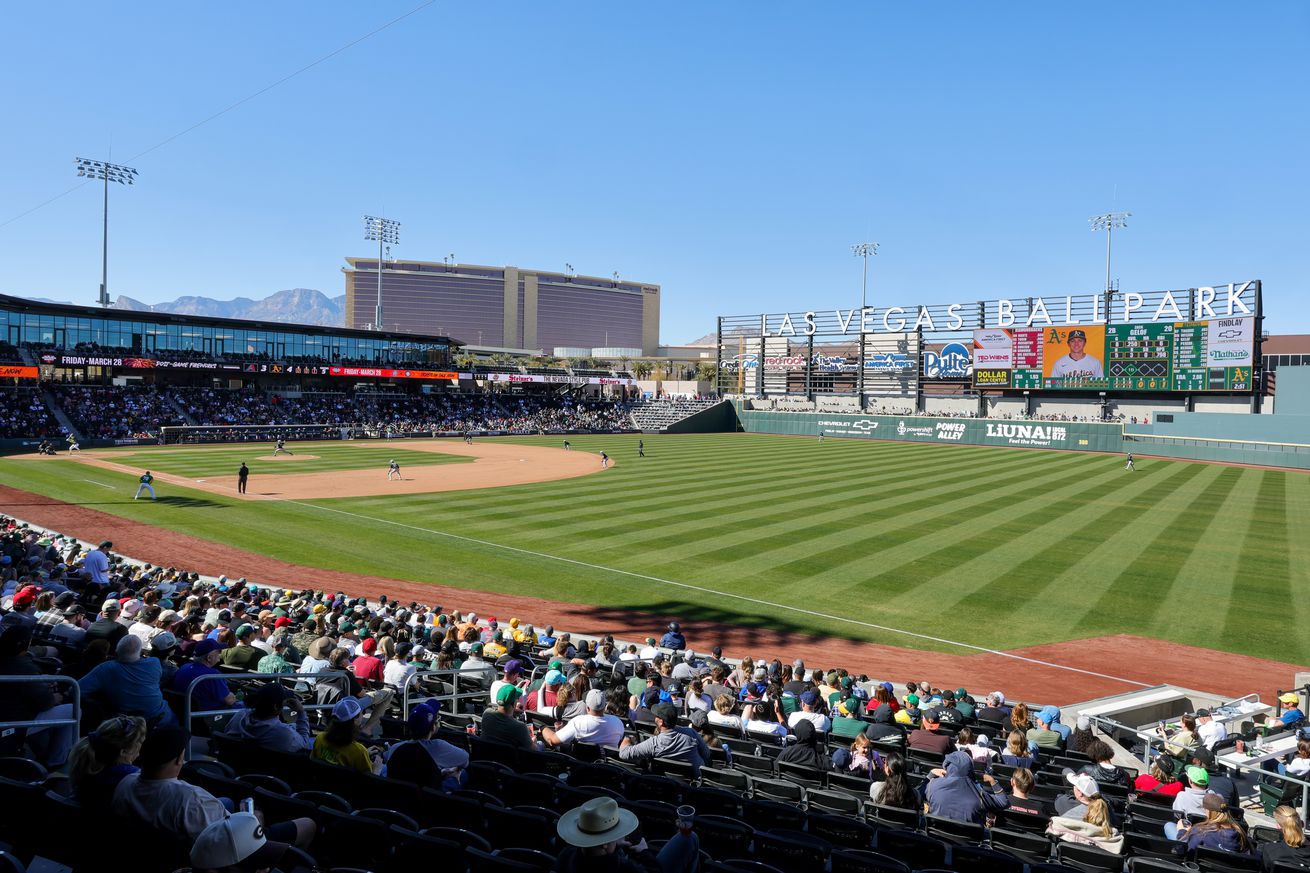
<point>1074,352</point>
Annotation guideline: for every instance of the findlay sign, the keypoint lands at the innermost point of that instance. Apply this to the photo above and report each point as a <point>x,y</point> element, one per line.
<point>1205,302</point>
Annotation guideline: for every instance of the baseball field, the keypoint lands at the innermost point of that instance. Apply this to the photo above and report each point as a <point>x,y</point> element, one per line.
<point>921,546</point>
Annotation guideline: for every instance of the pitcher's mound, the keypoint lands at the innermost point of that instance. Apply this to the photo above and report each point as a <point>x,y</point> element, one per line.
<point>296,457</point>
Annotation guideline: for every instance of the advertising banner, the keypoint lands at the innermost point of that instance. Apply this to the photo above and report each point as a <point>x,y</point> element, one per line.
<point>544,379</point>
<point>993,348</point>
<point>1078,436</point>
<point>1231,342</point>
<point>377,373</point>
<point>10,371</point>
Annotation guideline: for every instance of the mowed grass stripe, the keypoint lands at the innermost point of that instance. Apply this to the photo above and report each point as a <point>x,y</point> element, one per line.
<point>1029,585</point>
<point>960,566</point>
<point>1142,585</point>
<point>1266,574</point>
<point>930,517</point>
<point>645,525</point>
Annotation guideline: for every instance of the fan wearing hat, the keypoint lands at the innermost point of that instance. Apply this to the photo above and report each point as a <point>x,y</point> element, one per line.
<point>424,759</point>
<point>673,638</point>
<point>1291,717</point>
<point>811,711</point>
<point>263,721</point>
<point>597,834</point>
<point>1085,817</point>
<point>502,723</point>
<point>1078,363</point>
<point>238,844</point>
<point>212,693</point>
<point>928,737</point>
<point>1219,830</point>
<point>593,726</point>
<point>244,655</point>
<point>1161,779</point>
<point>339,745</point>
<point>670,742</point>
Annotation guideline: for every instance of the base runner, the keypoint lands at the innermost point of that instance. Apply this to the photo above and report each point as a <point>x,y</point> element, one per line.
<point>393,470</point>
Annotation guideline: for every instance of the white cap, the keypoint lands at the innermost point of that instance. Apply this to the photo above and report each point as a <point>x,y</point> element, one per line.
<point>1084,783</point>
<point>595,699</point>
<point>233,840</point>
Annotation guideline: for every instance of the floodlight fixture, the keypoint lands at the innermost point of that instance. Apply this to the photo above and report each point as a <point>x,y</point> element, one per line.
<point>106,172</point>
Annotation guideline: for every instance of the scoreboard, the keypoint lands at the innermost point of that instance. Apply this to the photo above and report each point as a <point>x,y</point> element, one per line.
<point>1185,356</point>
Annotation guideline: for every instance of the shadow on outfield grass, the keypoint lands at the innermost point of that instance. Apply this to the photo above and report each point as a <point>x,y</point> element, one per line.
<point>190,502</point>
<point>704,626</point>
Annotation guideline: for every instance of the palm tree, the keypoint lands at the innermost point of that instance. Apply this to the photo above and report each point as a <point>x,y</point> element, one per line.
<point>707,372</point>
<point>467,360</point>
<point>642,369</point>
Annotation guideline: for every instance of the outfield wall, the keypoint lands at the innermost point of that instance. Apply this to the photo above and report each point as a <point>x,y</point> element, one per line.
<point>1077,436</point>
<point>1237,438</point>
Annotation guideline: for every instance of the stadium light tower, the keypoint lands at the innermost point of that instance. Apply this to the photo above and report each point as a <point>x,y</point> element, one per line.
<point>387,233</point>
<point>106,172</point>
<point>1108,222</point>
<point>863,250</point>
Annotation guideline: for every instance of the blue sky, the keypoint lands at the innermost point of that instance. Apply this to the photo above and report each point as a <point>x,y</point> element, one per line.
<point>730,152</point>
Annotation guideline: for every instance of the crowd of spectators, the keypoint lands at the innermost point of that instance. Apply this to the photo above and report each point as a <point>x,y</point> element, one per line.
<point>379,414</point>
<point>116,412</point>
<point>23,415</point>
<point>717,730</point>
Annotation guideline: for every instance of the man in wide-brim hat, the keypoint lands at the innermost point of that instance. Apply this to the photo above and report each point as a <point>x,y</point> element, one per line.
<point>595,834</point>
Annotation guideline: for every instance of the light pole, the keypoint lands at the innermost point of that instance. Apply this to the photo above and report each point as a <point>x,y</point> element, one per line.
<point>387,233</point>
<point>109,173</point>
<point>1108,222</point>
<point>863,250</point>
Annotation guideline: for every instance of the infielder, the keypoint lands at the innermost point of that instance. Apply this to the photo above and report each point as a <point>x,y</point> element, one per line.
<point>145,485</point>
<point>468,437</point>
<point>393,470</point>
<point>604,460</point>
<point>1129,465</point>
<point>281,448</point>
<point>568,446</point>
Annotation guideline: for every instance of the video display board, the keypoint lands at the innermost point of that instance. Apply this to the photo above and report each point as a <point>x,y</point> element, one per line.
<point>1213,355</point>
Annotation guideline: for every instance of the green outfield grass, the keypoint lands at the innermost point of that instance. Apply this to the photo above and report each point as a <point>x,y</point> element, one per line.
<point>197,462</point>
<point>996,547</point>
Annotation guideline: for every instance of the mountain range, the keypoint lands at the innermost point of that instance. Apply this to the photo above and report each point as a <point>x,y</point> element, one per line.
<point>294,306</point>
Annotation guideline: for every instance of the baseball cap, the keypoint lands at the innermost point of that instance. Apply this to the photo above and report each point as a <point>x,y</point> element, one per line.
<point>554,677</point>
<point>369,646</point>
<point>933,715</point>
<point>476,648</point>
<point>237,839</point>
<point>162,642</point>
<point>1203,713</point>
<point>1204,755</point>
<point>513,666</point>
<point>204,647</point>
<point>347,709</point>
<point>507,695</point>
<point>26,596</point>
<point>595,699</point>
<point>244,631</point>
<point>1084,723</point>
<point>421,719</point>
<point>1198,776</point>
<point>809,698</point>
<point>161,746</point>
<point>1077,334</point>
<point>665,713</point>
<point>282,622</point>
<point>911,700</point>
<point>1084,783</point>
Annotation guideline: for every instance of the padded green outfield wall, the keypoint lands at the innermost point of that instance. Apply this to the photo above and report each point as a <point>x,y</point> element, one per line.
<point>1078,436</point>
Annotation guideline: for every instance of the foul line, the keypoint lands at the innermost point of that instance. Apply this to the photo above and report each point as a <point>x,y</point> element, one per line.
<point>101,484</point>
<point>752,600</point>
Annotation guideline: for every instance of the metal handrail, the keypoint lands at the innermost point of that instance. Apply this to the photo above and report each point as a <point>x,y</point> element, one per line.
<point>188,713</point>
<point>455,696</point>
<point>76,720</point>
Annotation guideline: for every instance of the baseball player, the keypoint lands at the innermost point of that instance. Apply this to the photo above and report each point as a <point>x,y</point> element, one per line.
<point>604,460</point>
<point>1130,466</point>
<point>568,446</point>
<point>468,437</point>
<point>72,444</point>
<point>641,448</point>
<point>393,470</point>
<point>281,448</point>
<point>145,485</point>
<point>821,436</point>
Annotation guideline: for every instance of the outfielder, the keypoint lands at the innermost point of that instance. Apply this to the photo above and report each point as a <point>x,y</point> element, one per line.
<point>393,470</point>
<point>568,446</point>
<point>145,485</point>
<point>641,448</point>
<point>1129,465</point>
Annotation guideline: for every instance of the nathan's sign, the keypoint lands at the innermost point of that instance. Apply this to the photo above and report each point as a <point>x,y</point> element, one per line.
<point>1206,302</point>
